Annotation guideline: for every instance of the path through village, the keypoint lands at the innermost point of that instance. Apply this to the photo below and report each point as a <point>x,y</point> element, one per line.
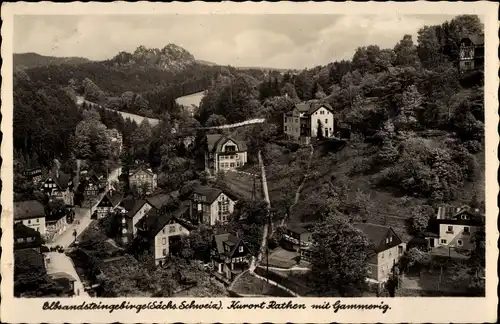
<point>60,262</point>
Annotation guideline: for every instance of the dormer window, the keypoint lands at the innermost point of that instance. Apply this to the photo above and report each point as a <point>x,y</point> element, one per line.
<point>230,148</point>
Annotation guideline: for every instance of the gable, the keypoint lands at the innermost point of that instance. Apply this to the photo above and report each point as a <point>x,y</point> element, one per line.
<point>105,202</point>
<point>390,240</point>
<point>229,142</point>
<point>142,173</point>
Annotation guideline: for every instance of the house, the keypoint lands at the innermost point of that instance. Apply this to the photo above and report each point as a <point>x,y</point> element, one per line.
<point>34,175</point>
<point>471,53</point>
<point>92,183</point>
<point>56,223</point>
<point>295,236</point>
<point>66,281</point>
<point>387,247</point>
<point>229,254</point>
<point>116,139</point>
<point>143,178</point>
<point>305,119</point>
<point>108,204</point>
<point>224,153</point>
<point>132,212</point>
<point>26,263</point>
<point>164,232</point>
<point>31,213</point>
<point>210,206</point>
<point>454,227</point>
<point>59,185</point>
<point>26,238</point>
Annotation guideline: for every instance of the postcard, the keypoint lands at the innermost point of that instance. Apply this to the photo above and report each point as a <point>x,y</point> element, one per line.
<point>249,162</point>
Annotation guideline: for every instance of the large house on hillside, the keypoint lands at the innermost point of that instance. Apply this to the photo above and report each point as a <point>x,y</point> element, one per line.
<point>229,254</point>
<point>471,53</point>
<point>116,139</point>
<point>454,227</point>
<point>388,248</point>
<point>309,119</point>
<point>59,185</point>
<point>143,178</point>
<point>30,213</point>
<point>224,153</point>
<point>210,206</point>
<point>131,212</point>
<point>164,231</point>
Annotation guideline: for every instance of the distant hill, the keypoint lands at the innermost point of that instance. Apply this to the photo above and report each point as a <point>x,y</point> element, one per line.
<point>33,60</point>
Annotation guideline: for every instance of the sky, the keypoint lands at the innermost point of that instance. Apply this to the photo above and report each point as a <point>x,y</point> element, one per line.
<point>277,41</point>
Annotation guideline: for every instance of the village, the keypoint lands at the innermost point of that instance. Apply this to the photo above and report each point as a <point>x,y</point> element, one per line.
<point>106,225</point>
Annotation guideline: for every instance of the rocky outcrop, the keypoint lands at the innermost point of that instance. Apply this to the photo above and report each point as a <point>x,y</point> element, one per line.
<point>171,57</point>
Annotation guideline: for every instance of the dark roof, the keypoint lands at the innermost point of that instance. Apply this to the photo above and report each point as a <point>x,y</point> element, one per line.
<point>209,193</point>
<point>29,258</point>
<point>141,168</point>
<point>61,275</point>
<point>296,229</point>
<point>62,181</point>
<point>476,39</point>
<point>55,216</point>
<point>376,234</point>
<point>226,239</point>
<point>156,221</point>
<point>132,206</point>
<point>310,107</point>
<point>28,209</point>
<point>452,215</point>
<point>215,142</point>
<point>114,199</point>
<point>160,200</point>
<point>23,231</point>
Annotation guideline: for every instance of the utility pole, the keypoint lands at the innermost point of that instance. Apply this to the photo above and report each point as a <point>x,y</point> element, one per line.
<point>268,236</point>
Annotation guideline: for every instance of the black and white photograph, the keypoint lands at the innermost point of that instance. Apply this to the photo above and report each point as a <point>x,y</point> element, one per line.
<point>249,155</point>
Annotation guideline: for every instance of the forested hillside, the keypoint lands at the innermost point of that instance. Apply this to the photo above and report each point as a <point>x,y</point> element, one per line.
<point>32,60</point>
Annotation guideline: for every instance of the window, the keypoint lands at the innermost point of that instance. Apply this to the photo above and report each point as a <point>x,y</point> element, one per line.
<point>390,239</point>
<point>296,120</point>
<point>382,255</point>
<point>326,120</point>
<point>164,252</point>
<point>163,230</point>
<point>20,240</point>
<point>400,250</point>
<point>29,221</point>
<point>443,241</point>
<point>466,230</point>
<point>240,249</point>
<point>164,241</point>
<point>171,229</point>
<point>230,148</point>
<point>232,164</point>
<point>450,229</point>
<point>460,243</point>
<point>386,240</point>
<point>38,220</point>
<point>321,112</point>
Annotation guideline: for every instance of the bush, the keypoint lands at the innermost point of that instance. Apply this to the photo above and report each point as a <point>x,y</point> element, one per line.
<point>473,146</point>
